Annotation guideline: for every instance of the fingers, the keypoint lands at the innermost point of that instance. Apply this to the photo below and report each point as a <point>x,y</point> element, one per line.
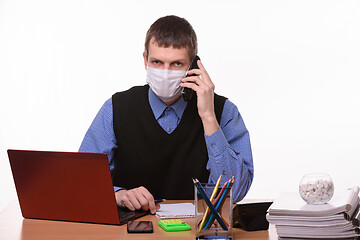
<point>201,79</point>
<point>202,84</point>
<point>135,199</point>
<point>198,84</point>
<point>201,71</point>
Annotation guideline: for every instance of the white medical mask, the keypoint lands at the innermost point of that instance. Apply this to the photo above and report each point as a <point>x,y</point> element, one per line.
<point>165,83</point>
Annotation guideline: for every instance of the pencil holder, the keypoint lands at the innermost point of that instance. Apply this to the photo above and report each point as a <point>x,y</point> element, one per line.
<point>210,224</point>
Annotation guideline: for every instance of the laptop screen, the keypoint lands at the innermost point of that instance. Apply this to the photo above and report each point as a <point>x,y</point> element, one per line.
<point>68,186</point>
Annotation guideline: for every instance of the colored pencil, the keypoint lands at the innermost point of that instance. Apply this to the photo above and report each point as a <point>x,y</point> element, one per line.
<point>220,193</point>
<point>211,199</point>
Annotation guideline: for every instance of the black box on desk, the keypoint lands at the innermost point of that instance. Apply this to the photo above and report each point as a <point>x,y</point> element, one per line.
<point>250,215</point>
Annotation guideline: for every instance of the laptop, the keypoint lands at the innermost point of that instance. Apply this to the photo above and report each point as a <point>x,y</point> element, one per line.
<point>67,186</point>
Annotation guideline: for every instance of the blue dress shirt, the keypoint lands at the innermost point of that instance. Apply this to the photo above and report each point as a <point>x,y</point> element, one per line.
<point>228,148</point>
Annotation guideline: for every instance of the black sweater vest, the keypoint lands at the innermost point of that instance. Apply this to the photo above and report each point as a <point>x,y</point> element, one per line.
<point>148,156</point>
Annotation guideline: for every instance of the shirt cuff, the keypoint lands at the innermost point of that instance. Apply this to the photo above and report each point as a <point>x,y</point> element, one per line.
<point>216,143</point>
<point>118,188</point>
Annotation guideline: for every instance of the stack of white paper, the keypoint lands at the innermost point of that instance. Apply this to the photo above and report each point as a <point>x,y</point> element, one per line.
<point>294,219</point>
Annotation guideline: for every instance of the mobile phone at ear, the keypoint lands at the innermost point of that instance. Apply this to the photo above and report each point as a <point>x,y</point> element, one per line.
<point>140,227</point>
<point>188,93</point>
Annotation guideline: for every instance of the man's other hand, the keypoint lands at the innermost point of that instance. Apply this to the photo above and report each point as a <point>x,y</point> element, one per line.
<point>136,199</point>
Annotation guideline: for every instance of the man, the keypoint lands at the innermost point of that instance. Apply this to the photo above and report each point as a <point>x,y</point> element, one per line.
<point>156,142</point>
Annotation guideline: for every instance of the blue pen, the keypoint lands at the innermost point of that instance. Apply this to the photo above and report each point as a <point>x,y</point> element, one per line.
<point>210,205</point>
<point>159,201</point>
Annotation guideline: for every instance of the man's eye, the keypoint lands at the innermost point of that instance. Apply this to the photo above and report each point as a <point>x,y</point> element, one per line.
<point>155,62</point>
<point>178,64</point>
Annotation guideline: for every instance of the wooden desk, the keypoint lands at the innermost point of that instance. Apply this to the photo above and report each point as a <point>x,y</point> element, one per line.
<point>14,226</point>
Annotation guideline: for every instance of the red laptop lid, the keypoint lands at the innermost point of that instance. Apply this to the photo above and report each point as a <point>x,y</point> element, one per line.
<point>68,186</point>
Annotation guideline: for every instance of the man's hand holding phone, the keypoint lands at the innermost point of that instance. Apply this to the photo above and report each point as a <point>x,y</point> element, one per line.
<point>204,88</point>
<point>136,199</point>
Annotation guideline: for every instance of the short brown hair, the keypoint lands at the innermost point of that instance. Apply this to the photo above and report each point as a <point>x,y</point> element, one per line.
<point>172,31</point>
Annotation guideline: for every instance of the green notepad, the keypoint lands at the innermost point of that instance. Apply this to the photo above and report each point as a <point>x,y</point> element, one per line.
<point>174,225</point>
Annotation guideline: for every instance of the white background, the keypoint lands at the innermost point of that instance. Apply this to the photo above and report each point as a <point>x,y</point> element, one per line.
<point>291,67</point>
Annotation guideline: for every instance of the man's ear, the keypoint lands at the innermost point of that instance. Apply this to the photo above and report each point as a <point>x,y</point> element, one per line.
<point>145,61</point>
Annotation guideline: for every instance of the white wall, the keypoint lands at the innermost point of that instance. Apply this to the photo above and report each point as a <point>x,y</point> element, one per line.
<point>291,67</point>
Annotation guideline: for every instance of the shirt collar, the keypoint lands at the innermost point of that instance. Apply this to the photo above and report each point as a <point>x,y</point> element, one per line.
<point>158,107</point>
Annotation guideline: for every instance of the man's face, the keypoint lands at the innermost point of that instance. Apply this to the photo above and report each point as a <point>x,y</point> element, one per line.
<point>167,58</point>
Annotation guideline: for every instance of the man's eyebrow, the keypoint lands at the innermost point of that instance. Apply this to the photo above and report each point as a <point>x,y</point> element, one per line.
<point>176,60</point>
<point>180,60</point>
<point>154,59</point>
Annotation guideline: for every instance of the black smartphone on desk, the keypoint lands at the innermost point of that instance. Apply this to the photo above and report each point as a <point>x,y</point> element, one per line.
<point>188,93</point>
<point>140,227</point>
